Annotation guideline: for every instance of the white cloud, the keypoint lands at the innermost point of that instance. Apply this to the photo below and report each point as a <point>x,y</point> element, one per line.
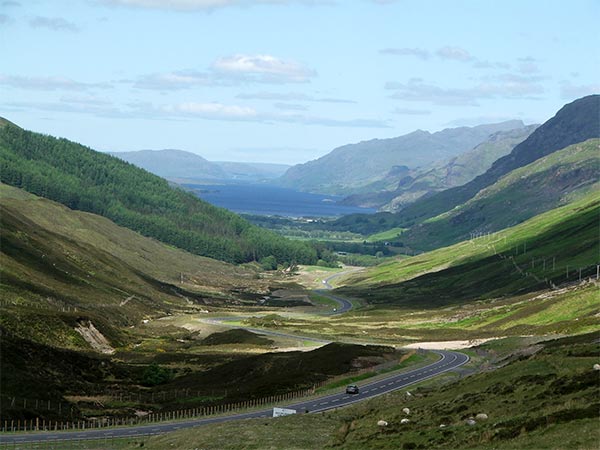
<point>509,86</point>
<point>448,53</point>
<point>290,106</point>
<point>228,71</point>
<point>211,110</point>
<point>418,52</point>
<point>291,96</point>
<point>53,23</point>
<point>217,111</point>
<point>174,80</point>
<point>262,68</point>
<point>48,83</point>
<point>454,53</point>
<point>84,99</point>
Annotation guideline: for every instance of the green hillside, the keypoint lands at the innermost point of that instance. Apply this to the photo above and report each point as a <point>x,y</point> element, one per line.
<point>60,266</point>
<point>550,181</point>
<point>83,179</point>
<point>543,252</point>
<point>573,123</point>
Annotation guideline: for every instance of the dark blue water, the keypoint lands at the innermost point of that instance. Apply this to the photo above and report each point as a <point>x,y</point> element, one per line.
<point>273,201</point>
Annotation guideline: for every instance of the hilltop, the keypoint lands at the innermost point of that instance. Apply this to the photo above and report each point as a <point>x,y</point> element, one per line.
<point>186,167</point>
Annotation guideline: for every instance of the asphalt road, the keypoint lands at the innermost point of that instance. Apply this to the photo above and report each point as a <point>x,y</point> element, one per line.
<point>448,361</point>
<point>344,305</point>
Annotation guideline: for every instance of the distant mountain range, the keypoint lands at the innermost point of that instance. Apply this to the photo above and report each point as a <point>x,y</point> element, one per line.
<point>557,163</point>
<point>402,186</point>
<point>352,168</point>
<point>179,165</point>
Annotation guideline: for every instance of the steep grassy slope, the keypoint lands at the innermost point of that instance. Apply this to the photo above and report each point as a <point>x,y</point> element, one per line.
<point>544,251</point>
<point>349,167</point>
<point>83,179</point>
<point>523,193</point>
<point>573,123</point>
<point>61,267</point>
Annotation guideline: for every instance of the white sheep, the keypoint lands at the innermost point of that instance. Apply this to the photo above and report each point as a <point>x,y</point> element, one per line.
<point>403,421</point>
<point>481,416</point>
<point>382,423</point>
<point>406,411</point>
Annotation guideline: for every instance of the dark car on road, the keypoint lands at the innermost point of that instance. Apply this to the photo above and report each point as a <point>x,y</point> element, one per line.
<point>352,389</point>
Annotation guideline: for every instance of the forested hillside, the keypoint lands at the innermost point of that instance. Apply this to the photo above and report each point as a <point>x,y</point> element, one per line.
<point>86,180</point>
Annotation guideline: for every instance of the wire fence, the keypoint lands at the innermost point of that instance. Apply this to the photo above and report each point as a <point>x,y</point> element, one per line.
<point>78,424</point>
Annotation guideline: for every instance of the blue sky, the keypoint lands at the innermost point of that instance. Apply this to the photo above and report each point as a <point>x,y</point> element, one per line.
<point>287,81</point>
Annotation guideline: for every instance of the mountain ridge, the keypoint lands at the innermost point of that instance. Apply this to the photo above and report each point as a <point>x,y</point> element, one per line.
<point>347,168</point>
<point>575,122</point>
<point>401,187</point>
<point>175,165</point>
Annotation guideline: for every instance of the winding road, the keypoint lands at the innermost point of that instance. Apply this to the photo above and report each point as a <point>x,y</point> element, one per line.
<point>448,361</point>
<point>345,304</point>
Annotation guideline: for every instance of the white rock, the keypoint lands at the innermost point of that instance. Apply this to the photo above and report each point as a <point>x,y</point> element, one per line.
<point>382,423</point>
<point>470,422</point>
<point>596,366</point>
<point>404,421</point>
<point>481,416</point>
<point>406,411</point>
